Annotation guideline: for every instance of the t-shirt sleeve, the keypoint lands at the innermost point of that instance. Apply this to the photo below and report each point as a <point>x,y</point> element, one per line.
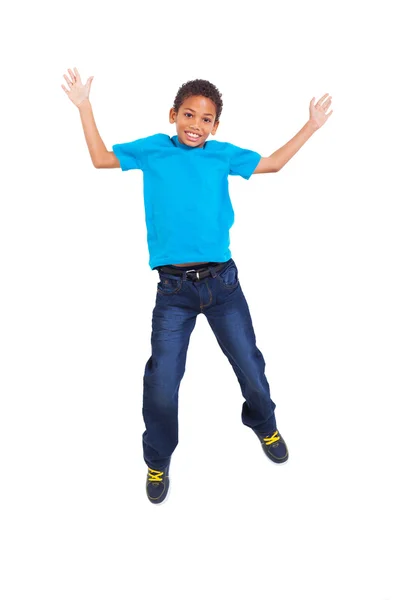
<point>242,161</point>
<point>131,155</point>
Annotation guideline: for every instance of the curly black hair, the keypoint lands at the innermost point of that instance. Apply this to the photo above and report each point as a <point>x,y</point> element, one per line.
<point>199,87</point>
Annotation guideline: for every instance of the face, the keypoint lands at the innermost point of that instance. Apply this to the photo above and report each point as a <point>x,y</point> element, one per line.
<point>197,115</point>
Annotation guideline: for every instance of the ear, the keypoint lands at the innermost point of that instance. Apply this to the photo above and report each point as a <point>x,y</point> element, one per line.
<point>172,115</point>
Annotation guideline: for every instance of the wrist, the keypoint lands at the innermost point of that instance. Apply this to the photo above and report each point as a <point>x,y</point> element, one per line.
<point>84,104</point>
<point>312,126</point>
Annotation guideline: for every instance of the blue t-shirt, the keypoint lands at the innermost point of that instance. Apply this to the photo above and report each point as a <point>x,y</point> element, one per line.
<point>187,205</point>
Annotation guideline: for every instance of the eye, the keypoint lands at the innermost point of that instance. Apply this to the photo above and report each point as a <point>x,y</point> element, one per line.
<point>190,115</point>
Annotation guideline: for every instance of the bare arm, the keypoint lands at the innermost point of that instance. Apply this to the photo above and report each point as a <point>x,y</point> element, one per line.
<point>101,157</point>
<point>275,162</point>
<point>280,157</point>
<point>79,95</point>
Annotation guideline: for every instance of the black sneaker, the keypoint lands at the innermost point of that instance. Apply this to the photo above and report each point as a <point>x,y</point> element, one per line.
<point>274,446</point>
<point>157,485</point>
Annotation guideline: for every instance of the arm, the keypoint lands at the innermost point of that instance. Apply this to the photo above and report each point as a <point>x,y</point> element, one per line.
<point>101,157</point>
<point>275,162</point>
<point>79,95</point>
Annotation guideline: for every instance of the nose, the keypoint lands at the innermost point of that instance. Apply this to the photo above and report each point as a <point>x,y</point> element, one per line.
<point>195,125</point>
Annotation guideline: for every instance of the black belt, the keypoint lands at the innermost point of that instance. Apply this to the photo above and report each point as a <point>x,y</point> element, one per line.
<point>193,274</point>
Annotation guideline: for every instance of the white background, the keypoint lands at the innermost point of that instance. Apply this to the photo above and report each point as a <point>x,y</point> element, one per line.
<point>317,250</point>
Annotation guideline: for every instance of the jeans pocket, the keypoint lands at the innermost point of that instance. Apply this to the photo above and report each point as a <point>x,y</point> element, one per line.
<point>229,277</point>
<point>169,285</point>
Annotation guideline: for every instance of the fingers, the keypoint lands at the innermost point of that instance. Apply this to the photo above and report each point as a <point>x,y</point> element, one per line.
<point>78,77</point>
<point>73,77</point>
<point>321,99</point>
<point>327,103</point>
<point>323,105</point>
<point>318,104</point>
<point>68,81</point>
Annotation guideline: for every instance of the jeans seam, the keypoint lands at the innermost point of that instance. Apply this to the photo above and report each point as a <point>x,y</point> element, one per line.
<point>210,293</point>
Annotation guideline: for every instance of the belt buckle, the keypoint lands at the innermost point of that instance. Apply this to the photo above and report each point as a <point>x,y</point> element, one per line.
<point>194,271</point>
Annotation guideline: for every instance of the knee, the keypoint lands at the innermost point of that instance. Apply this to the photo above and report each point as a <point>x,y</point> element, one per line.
<point>163,372</point>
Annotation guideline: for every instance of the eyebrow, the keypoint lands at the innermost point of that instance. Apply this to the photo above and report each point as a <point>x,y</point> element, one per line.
<point>187,108</point>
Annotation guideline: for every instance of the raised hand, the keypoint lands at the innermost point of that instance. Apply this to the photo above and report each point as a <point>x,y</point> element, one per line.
<point>317,111</point>
<point>78,92</point>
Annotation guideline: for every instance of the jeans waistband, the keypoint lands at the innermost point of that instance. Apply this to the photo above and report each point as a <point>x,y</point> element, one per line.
<point>194,274</point>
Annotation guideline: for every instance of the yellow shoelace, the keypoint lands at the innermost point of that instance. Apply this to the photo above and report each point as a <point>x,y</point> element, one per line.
<point>272,438</point>
<point>155,475</point>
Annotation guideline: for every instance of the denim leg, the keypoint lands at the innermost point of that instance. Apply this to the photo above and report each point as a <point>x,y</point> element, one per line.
<point>231,323</point>
<point>172,324</point>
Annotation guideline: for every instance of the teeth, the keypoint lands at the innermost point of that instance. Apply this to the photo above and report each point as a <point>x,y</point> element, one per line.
<point>192,134</point>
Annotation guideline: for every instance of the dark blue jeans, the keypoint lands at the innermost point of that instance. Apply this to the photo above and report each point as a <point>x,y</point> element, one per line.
<point>179,300</point>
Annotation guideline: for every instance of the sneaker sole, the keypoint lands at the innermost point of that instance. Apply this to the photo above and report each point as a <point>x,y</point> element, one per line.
<point>277,463</point>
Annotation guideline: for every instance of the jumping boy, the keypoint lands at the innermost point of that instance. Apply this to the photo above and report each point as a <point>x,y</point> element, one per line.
<point>188,217</point>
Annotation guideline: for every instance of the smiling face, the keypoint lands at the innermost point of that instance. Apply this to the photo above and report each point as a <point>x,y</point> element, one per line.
<point>196,115</point>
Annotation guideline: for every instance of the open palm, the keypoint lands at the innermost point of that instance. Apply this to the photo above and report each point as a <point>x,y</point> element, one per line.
<point>318,114</point>
<point>78,91</point>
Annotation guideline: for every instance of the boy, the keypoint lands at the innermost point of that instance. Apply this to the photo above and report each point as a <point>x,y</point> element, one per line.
<point>188,217</point>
